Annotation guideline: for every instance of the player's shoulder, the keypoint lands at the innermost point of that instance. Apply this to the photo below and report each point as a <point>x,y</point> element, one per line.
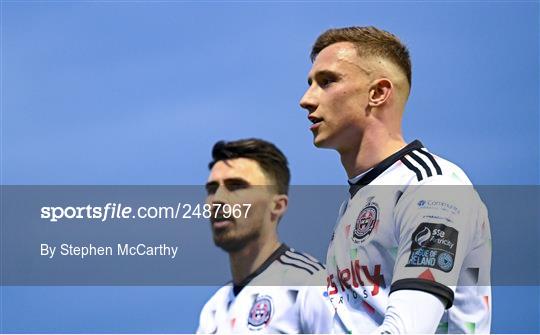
<point>441,183</point>
<point>220,297</point>
<point>297,267</point>
<point>424,167</point>
<point>451,171</point>
<point>218,301</point>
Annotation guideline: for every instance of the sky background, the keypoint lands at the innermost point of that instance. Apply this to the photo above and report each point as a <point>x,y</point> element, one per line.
<point>136,93</point>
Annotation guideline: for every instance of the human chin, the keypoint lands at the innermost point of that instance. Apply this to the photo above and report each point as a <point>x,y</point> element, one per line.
<point>231,242</point>
<point>227,239</point>
<point>318,142</point>
<point>321,141</point>
<point>317,138</point>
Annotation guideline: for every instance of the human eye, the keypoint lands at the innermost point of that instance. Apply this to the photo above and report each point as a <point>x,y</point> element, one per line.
<point>211,188</point>
<point>236,184</point>
<point>327,79</point>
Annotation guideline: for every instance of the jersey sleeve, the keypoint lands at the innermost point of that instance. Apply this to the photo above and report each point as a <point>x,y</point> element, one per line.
<point>435,228</point>
<point>207,318</point>
<point>206,321</point>
<point>406,307</point>
<point>316,311</point>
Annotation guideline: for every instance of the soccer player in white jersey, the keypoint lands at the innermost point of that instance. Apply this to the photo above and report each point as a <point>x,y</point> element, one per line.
<point>274,288</point>
<point>406,256</point>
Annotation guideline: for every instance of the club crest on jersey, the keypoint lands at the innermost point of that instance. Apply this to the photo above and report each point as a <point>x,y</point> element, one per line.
<point>260,313</point>
<point>366,221</point>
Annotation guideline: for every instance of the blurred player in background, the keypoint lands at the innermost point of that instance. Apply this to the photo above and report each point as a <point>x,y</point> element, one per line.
<point>270,290</point>
<point>407,258</point>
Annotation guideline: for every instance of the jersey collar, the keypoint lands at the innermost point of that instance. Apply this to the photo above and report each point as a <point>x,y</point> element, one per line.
<point>382,166</point>
<point>275,255</point>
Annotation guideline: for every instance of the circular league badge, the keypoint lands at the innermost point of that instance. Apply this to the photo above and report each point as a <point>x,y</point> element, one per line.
<point>365,222</point>
<point>260,313</point>
<point>445,261</point>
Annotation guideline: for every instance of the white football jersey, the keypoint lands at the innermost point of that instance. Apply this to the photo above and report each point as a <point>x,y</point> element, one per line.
<point>401,229</point>
<point>287,294</point>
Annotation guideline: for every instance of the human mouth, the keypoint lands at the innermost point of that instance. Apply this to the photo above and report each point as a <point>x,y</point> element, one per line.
<point>220,221</point>
<point>316,122</point>
<point>221,224</point>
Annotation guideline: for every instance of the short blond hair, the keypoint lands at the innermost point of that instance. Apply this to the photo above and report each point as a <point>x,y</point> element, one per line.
<point>369,41</point>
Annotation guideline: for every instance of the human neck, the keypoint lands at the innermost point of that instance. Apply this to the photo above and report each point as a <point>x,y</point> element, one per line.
<point>246,261</point>
<point>374,147</point>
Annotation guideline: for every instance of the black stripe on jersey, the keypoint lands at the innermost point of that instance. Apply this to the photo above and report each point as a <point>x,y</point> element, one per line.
<point>412,168</point>
<point>274,256</point>
<point>382,166</point>
<point>295,258</point>
<point>422,163</point>
<point>437,289</point>
<point>308,256</point>
<point>285,262</point>
<point>308,259</point>
<point>432,159</point>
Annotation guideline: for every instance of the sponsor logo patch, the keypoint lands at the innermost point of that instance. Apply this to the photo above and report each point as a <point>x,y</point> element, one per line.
<point>439,205</point>
<point>366,221</point>
<point>434,246</point>
<point>260,313</point>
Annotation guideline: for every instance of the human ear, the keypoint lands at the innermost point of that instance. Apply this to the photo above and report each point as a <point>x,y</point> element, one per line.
<point>380,92</point>
<point>279,206</point>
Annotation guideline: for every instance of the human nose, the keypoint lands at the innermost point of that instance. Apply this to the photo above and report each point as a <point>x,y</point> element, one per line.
<point>309,101</point>
<point>219,196</point>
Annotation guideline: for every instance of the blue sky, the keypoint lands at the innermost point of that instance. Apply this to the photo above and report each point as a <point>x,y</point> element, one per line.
<point>137,93</point>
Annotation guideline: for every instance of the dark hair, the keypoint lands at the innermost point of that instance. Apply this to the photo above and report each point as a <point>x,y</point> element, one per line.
<point>272,161</point>
<point>369,41</point>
